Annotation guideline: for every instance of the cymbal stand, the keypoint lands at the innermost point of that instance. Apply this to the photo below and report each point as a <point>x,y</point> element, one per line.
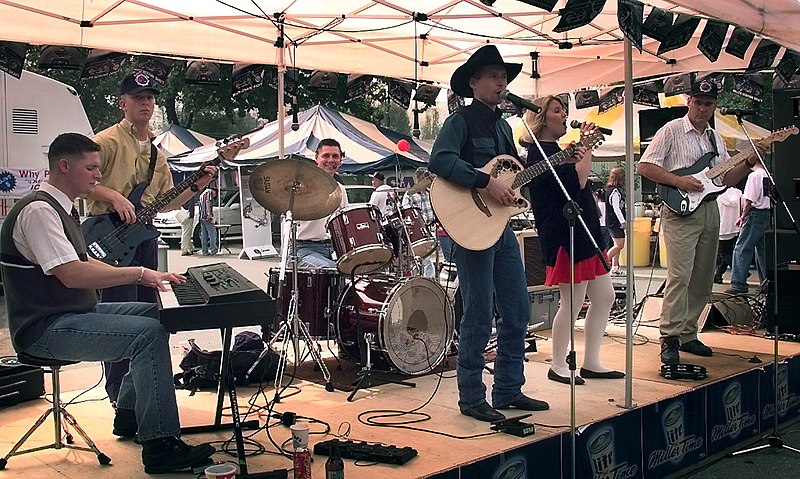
<point>406,251</point>
<point>292,328</point>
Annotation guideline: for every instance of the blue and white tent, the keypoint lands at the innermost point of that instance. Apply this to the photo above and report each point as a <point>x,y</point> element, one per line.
<point>176,139</point>
<point>367,147</point>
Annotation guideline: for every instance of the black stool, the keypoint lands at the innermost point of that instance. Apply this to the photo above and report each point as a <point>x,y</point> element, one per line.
<point>60,416</point>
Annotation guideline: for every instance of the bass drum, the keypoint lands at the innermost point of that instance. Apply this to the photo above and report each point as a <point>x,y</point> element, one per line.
<point>410,319</point>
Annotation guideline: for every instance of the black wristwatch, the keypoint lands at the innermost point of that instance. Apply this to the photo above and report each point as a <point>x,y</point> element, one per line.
<point>194,187</point>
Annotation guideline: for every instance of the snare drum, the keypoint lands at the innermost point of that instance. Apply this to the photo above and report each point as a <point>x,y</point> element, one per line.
<point>410,320</point>
<point>423,243</point>
<point>358,239</point>
<point>317,293</point>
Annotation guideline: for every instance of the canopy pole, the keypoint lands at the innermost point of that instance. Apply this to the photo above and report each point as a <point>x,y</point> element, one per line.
<point>629,197</point>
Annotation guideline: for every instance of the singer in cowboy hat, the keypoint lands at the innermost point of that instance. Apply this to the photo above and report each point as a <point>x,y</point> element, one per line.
<point>468,139</point>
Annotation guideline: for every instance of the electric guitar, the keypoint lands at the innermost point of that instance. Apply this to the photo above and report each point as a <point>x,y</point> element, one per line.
<point>684,203</point>
<point>475,220</point>
<point>111,240</point>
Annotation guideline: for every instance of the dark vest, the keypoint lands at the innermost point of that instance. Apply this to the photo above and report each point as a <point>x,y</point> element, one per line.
<point>611,217</point>
<point>34,300</point>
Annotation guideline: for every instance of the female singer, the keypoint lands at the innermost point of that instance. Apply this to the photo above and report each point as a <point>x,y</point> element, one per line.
<point>591,277</point>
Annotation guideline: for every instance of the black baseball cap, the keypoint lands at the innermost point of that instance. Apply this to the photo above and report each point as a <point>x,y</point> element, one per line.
<point>137,82</point>
<point>704,87</point>
<point>378,176</point>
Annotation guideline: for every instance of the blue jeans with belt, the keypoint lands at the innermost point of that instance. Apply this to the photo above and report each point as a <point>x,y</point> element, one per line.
<point>315,254</point>
<point>750,243</point>
<point>494,272</point>
<point>114,332</point>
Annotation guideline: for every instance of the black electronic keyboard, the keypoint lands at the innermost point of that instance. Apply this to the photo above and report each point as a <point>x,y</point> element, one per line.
<point>214,296</point>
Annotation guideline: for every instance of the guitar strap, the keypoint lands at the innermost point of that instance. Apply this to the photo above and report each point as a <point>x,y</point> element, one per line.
<point>152,167</point>
<point>712,138</point>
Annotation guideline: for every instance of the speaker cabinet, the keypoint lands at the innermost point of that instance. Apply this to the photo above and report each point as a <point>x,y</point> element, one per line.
<point>785,168</point>
<point>531,251</point>
<point>788,283</point>
<point>649,123</point>
<point>788,247</point>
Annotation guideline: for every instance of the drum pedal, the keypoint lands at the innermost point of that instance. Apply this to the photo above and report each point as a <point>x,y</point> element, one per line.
<point>515,426</point>
<point>362,451</point>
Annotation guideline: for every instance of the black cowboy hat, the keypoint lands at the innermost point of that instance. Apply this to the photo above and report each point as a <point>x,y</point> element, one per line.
<point>484,56</point>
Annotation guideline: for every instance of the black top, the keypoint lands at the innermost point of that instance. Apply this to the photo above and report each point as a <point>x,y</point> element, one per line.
<point>547,202</point>
<point>611,216</point>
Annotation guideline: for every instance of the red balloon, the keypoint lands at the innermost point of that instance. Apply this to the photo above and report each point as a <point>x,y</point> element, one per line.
<point>403,145</point>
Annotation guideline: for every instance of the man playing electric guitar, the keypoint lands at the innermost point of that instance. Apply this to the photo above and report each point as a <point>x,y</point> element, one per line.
<point>691,240</point>
<point>127,158</point>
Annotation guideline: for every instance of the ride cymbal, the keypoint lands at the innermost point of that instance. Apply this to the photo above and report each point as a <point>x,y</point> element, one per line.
<point>316,194</point>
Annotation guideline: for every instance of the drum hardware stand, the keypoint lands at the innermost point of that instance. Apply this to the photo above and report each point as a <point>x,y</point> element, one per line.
<point>365,342</point>
<point>572,212</point>
<point>291,327</point>
<point>774,440</point>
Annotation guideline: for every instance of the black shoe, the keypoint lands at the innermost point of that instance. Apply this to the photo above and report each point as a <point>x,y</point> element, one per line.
<point>697,348</point>
<point>525,403</point>
<point>483,412</point>
<point>589,374</point>
<point>718,280</point>
<point>125,423</point>
<point>669,350</point>
<point>733,291</point>
<point>554,376</point>
<point>168,454</point>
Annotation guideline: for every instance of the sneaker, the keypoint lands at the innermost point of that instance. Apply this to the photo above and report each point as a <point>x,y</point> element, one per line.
<point>168,454</point>
<point>187,253</point>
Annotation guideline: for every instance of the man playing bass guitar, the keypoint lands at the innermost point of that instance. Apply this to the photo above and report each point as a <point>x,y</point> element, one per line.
<point>128,158</point>
<point>691,240</point>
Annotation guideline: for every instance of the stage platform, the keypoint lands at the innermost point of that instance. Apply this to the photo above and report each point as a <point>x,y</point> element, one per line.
<point>673,425</point>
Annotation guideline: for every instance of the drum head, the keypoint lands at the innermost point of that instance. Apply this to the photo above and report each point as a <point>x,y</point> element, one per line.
<point>417,325</point>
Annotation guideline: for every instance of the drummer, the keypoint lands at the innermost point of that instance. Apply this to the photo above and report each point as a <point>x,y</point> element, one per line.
<point>313,244</point>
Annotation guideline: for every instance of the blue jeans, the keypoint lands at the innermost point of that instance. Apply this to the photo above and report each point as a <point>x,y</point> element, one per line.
<point>117,331</point>
<point>208,237</point>
<point>496,271</point>
<point>314,255</point>
<point>750,242</point>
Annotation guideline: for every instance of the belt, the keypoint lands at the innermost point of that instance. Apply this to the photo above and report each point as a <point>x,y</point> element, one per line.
<point>315,241</point>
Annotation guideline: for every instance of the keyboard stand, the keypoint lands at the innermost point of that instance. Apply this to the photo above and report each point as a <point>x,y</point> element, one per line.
<point>226,384</point>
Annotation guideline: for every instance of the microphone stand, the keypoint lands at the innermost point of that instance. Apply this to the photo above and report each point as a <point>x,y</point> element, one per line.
<point>572,212</point>
<point>774,440</point>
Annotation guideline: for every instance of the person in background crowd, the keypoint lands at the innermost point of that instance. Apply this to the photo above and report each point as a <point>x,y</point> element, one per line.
<point>591,277</point>
<point>754,223</point>
<point>730,208</point>
<point>422,201</point>
<point>615,215</point>
<point>187,227</point>
<point>381,198</point>
<point>600,199</point>
<point>208,227</point>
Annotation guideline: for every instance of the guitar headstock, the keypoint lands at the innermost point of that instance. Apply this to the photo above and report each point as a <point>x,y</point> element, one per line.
<point>782,134</point>
<point>231,148</point>
<point>592,139</point>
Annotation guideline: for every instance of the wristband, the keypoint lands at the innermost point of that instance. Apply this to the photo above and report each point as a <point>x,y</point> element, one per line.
<point>193,187</point>
<point>141,275</point>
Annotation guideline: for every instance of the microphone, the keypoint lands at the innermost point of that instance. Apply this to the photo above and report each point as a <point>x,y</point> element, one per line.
<point>519,101</point>
<point>295,121</point>
<point>601,129</point>
<point>737,111</point>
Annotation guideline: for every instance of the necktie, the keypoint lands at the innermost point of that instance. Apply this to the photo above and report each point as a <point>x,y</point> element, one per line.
<point>75,215</point>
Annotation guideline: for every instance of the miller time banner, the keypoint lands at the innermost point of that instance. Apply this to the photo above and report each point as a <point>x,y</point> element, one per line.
<point>18,182</point>
<point>732,407</point>
<point>674,434</point>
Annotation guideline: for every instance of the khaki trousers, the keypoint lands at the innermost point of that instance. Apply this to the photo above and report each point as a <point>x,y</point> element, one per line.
<point>691,243</point>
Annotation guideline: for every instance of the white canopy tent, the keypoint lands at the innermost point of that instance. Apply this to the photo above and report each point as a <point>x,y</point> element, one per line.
<point>388,38</point>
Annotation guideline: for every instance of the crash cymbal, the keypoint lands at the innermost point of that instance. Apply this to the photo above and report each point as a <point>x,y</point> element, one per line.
<point>316,194</point>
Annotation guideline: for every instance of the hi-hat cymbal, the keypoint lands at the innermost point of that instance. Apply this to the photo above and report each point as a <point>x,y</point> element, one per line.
<point>316,193</point>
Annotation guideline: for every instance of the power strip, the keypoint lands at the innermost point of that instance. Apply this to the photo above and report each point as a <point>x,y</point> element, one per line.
<point>362,451</point>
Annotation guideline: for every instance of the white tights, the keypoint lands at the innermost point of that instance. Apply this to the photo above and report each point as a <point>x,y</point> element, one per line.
<point>601,294</point>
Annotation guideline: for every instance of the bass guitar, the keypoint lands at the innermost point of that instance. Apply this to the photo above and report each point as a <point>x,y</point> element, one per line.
<point>475,220</point>
<point>684,203</point>
<point>111,240</point>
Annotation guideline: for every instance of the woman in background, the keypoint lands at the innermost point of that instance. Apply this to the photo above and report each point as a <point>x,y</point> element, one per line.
<point>591,277</point>
<point>615,215</point>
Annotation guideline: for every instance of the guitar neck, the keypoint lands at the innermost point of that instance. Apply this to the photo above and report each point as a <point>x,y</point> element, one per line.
<point>149,212</point>
<point>531,172</point>
<point>728,165</point>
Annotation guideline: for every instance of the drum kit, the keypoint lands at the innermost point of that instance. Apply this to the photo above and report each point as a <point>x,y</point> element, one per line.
<point>376,303</point>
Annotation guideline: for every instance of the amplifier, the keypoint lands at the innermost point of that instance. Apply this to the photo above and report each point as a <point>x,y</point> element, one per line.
<point>531,252</point>
<point>20,382</point>
<point>788,281</point>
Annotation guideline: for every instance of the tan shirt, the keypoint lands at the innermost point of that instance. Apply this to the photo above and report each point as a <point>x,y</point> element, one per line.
<point>124,164</point>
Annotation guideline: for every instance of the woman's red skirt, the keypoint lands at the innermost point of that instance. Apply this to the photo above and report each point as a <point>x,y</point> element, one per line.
<point>585,270</point>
